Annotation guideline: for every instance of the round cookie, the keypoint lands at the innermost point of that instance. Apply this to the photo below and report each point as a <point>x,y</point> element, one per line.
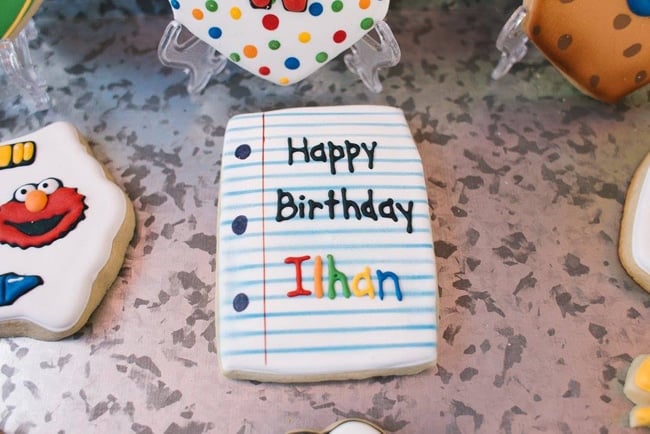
<point>64,230</point>
<point>602,49</point>
<point>634,239</point>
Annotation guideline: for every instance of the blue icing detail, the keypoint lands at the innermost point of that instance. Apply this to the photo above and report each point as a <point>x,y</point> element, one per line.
<point>239,225</point>
<point>292,63</point>
<point>215,32</point>
<point>640,7</point>
<point>315,9</point>
<point>175,4</point>
<point>14,286</point>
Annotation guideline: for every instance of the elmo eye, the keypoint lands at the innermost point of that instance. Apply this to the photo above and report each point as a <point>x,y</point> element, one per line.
<point>49,185</point>
<point>21,192</point>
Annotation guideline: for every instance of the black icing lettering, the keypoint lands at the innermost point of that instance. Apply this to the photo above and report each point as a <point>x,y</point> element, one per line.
<point>408,213</point>
<point>352,150</point>
<point>368,208</point>
<point>335,154</point>
<point>347,204</point>
<point>387,210</point>
<point>371,154</point>
<point>313,205</point>
<point>285,200</point>
<point>293,150</point>
<point>318,153</point>
<point>331,203</point>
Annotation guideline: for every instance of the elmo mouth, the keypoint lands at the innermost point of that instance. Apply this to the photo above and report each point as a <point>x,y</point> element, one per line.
<point>37,227</point>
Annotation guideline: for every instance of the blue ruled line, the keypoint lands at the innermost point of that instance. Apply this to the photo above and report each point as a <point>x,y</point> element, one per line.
<point>396,310</point>
<point>332,348</point>
<point>379,329</point>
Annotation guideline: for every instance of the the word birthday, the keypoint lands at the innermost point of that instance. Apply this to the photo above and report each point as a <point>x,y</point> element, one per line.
<point>335,276</point>
<point>290,207</point>
<point>331,153</point>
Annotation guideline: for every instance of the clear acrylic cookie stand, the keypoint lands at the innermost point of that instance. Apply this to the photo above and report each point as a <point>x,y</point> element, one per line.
<point>512,43</point>
<point>16,62</point>
<point>376,50</point>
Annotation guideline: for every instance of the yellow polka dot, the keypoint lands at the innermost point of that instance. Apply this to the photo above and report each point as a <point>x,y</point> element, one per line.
<point>284,80</point>
<point>364,4</point>
<point>235,13</point>
<point>250,51</point>
<point>304,37</point>
<point>197,14</point>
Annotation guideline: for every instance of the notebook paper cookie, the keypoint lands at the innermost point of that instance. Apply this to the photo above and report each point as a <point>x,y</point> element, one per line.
<point>634,243</point>
<point>326,266</point>
<point>64,230</point>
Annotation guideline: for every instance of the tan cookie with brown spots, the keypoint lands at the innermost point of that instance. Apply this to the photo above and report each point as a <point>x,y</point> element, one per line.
<point>601,47</point>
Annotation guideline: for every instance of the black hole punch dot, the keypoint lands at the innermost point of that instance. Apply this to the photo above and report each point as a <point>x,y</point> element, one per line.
<point>240,302</point>
<point>239,225</point>
<point>243,151</point>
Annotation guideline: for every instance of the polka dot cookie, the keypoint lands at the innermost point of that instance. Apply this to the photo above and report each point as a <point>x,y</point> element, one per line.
<point>603,50</point>
<point>282,41</point>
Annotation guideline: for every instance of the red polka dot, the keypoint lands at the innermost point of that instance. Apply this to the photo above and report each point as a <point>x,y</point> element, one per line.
<point>340,36</point>
<point>264,70</point>
<point>270,22</point>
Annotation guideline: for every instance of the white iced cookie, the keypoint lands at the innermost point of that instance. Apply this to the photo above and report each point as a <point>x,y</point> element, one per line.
<point>634,243</point>
<point>346,426</point>
<point>282,41</point>
<point>326,266</point>
<point>64,230</point>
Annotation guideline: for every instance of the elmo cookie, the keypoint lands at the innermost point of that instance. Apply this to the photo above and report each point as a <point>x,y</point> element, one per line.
<point>601,47</point>
<point>64,230</point>
<point>634,243</point>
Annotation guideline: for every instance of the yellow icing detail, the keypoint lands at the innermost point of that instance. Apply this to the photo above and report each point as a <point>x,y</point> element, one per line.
<point>235,13</point>
<point>318,277</point>
<point>28,151</point>
<point>642,377</point>
<point>18,153</point>
<point>304,37</point>
<point>284,81</point>
<point>640,416</point>
<point>5,156</point>
<point>370,289</point>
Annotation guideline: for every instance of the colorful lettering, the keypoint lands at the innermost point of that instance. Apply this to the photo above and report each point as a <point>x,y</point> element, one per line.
<point>382,276</point>
<point>369,288</point>
<point>333,276</point>
<point>297,261</point>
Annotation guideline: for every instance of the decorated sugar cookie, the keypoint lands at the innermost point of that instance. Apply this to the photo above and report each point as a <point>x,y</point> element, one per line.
<point>346,426</point>
<point>634,243</point>
<point>326,266</point>
<point>600,47</point>
<point>14,16</point>
<point>64,230</point>
<point>282,41</point>
<point>637,390</point>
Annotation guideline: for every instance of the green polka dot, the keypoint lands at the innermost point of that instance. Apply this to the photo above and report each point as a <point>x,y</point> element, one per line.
<point>274,44</point>
<point>211,5</point>
<point>235,57</point>
<point>321,57</point>
<point>367,23</point>
<point>337,6</point>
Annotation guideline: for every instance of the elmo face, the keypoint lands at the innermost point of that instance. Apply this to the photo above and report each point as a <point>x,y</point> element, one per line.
<point>40,214</point>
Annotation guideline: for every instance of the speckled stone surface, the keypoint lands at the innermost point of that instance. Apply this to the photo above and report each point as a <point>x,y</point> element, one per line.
<point>526,180</point>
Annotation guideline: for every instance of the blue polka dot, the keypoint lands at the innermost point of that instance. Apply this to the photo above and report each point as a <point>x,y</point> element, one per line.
<point>175,4</point>
<point>240,302</point>
<point>315,9</point>
<point>292,63</point>
<point>215,32</point>
<point>239,225</point>
<point>640,7</point>
<point>243,151</point>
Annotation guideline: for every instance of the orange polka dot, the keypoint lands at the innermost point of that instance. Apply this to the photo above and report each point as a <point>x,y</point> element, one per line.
<point>197,14</point>
<point>364,4</point>
<point>283,80</point>
<point>235,13</point>
<point>250,51</point>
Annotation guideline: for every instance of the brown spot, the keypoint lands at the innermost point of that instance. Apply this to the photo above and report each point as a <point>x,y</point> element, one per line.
<point>640,76</point>
<point>537,30</point>
<point>564,41</point>
<point>594,80</point>
<point>632,50</point>
<point>566,1</point>
<point>622,21</point>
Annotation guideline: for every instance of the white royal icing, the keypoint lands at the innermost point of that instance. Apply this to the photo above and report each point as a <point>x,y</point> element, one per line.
<point>641,228</point>
<point>279,45</point>
<point>69,265</point>
<point>305,337</point>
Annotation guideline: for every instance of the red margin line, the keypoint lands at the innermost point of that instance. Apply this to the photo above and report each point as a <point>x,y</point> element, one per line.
<point>264,235</point>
